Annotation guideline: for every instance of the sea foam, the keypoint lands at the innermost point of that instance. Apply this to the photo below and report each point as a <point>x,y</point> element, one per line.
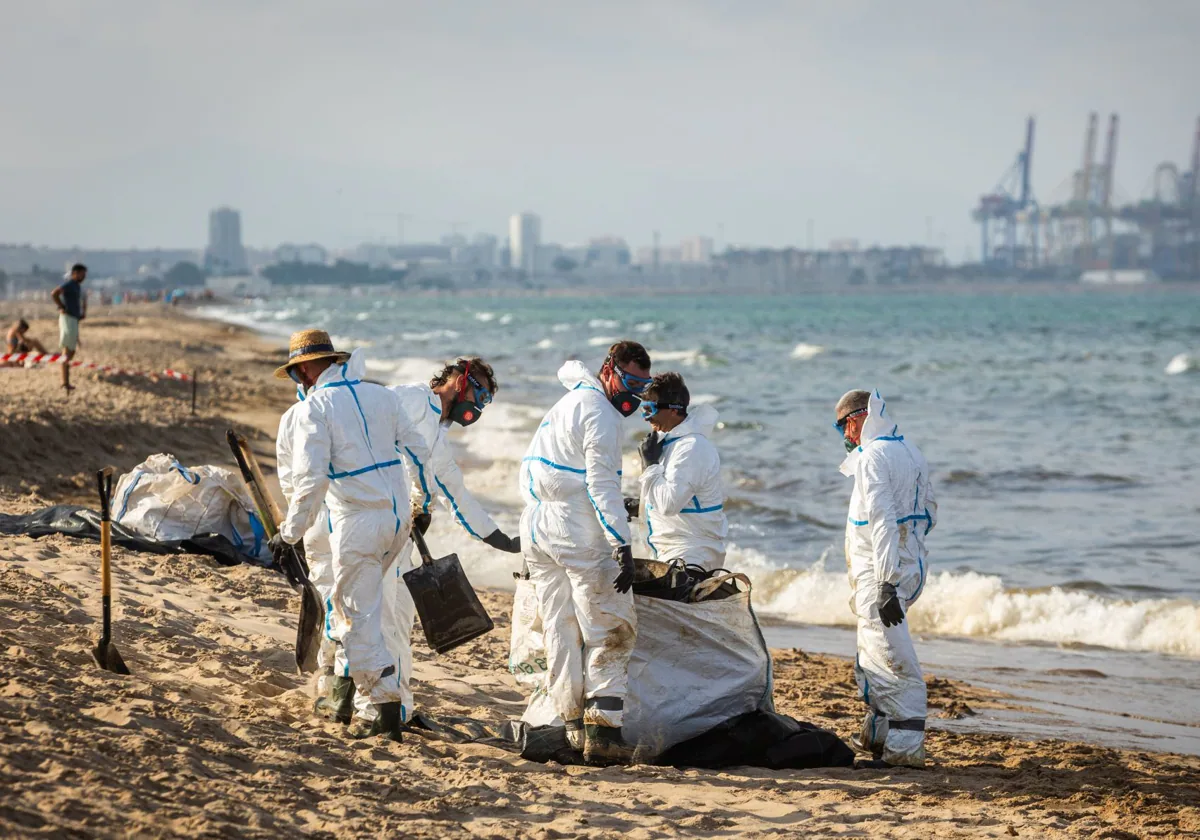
<point>977,605</point>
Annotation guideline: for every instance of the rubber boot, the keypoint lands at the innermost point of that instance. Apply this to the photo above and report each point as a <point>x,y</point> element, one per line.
<point>575,734</point>
<point>386,723</point>
<point>870,738</point>
<point>337,703</point>
<point>603,746</point>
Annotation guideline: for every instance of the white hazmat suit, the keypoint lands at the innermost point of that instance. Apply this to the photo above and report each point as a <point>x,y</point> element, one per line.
<point>892,510</point>
<point>345,453</point>
<point>434,477</point>
<point>683,500</point>
<point>573,520</point>
<point>441,478</point>
<point>316,541</point>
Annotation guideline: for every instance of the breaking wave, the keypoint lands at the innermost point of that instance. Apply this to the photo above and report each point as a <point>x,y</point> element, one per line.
<point>1183,363</point>
<point>803,351</point>
<point>977,605</point>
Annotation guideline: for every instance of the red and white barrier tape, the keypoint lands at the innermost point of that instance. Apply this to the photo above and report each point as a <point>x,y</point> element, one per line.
<point>60,358</point>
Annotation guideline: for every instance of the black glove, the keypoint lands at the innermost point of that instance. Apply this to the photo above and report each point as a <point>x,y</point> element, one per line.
<point>632,506</point>
<point>890,611</point>
<point>502,542</point>
<point>422,521</point>
<point>289,559</point>
<point>624,558</point>
<point>280,551</point>
<point>651,449</point>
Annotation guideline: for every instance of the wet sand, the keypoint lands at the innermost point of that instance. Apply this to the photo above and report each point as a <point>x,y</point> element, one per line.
<point>211,734</point>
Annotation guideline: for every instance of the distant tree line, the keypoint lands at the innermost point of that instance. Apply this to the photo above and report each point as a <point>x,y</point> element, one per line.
<point>341,273</point>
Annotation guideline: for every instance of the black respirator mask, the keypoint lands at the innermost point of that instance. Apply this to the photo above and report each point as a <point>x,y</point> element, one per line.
<point>629,397</point>
<point>467,408</point>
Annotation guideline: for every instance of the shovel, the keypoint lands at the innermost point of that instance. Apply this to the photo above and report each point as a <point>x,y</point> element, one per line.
<point>105,652</point>
<point>450,612</point>
<point>312,611</point>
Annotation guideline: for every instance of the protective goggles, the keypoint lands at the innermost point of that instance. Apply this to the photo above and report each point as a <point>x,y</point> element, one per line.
<point>633,384</point>
<point>649,409</point>
<point>841,424</point>
<point>482,397</point>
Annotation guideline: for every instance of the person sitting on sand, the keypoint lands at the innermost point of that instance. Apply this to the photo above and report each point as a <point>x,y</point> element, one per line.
<point>892,510</point>
<point>19,340</point>
<point>72,308</point>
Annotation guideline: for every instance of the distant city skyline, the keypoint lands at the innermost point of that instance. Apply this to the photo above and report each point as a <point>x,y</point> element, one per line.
<point>877,121</point>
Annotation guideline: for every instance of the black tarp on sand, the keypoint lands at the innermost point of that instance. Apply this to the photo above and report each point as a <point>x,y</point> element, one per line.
<point>77,521</point>
<point>755,739</point>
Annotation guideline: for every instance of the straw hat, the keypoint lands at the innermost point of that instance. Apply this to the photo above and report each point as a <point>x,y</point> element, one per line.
<point>307,346</point>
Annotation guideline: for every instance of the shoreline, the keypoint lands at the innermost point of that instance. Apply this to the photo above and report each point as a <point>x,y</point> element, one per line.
<point>212,731</point>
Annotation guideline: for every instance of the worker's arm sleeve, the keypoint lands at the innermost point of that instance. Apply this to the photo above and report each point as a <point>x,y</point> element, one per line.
<point>667,489</point>
<point>310,471</point>
<point>455,496</point>
<point>881,514</point>
<point>411,444</point>
<point>283,457</point>
<point>602,462</point>
<point>931,506</point>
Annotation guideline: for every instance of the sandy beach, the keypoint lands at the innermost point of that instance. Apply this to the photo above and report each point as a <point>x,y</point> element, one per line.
<point>212,736</point>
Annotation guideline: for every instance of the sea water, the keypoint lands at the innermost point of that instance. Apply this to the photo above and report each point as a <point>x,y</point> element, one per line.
<point>1063,428</point>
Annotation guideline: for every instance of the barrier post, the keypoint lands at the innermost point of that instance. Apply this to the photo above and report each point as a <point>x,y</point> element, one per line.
<point>194,378</point>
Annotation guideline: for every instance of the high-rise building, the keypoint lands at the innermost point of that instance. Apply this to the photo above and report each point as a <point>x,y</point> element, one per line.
<point>225,254</point>
<point>524,237</point>
<point>696,249</point>
<point>608,252</point>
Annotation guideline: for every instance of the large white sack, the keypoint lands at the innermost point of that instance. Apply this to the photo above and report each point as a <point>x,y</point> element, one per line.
<point>163,500</point>
<point>693,666</point>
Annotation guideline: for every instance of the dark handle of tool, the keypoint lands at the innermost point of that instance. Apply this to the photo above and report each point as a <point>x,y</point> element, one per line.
<point>104,482</point>
<point>422,549</point>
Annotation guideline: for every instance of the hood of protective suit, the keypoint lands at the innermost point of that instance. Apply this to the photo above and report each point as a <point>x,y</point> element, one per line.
<point>354,369</point>
<point>879,424</point>
<point>575,373</point>
<point>700,421</point>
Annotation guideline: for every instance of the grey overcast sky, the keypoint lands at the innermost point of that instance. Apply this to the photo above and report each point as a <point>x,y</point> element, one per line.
<point>124,121</point>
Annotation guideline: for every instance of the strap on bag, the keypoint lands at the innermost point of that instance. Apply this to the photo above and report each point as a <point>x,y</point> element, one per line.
<point>701,591</point>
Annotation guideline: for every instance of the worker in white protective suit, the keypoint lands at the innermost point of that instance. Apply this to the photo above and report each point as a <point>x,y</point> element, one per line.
<point>576,543</point>
<point>682,498</point>
<point>334,693</point>
<point>892,510</point>
<point>345,446</point>
<point>457,394</point>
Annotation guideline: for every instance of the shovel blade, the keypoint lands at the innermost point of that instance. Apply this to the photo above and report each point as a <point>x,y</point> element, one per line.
<point>308,632</point>
<point>447,605</point>
<point>109,658</point>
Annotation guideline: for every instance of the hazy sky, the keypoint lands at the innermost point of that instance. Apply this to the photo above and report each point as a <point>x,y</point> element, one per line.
<point>122,122</point>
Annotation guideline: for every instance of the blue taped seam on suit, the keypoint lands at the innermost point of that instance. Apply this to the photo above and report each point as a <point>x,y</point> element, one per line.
<point>457,513</point>
<point>371,468</point>
<point>550,463</point>
<point>421,477</point>
<point>650,530</point>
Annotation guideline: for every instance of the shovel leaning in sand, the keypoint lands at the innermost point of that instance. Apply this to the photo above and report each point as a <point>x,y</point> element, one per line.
<point>312,612</point>
<point>105,652</point>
